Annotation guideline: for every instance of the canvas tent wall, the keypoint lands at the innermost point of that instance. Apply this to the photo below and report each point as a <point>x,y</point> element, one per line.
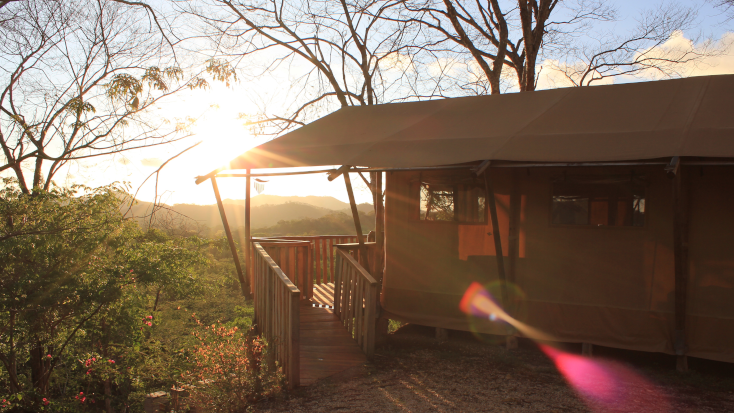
<point>605,285</point>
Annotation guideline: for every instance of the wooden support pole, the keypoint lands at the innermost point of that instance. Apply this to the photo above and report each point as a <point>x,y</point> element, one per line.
<point>248,237</point>
<point>232,248</point>
<point>442,334</point>
<point>513,248</point>
<point>357,224</point>
<point>497,238</point>
<point>489,189</point>
<point>379,229</point>
<point>680,252</point>
<point>587,349</point>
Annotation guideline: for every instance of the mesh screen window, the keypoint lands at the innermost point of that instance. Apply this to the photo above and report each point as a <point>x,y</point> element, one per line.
<point>599,204</point>
<point>452,203</point>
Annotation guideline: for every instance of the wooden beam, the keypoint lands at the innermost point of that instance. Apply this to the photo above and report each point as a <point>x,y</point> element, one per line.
<point>248,237</point>
<point>680,252</point>
<point>355,216</point>
<point>230,240</point>
<point>336,173</point>
<point>250,174</point>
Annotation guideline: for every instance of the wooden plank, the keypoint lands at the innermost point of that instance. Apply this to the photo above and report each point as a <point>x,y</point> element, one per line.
<point>317,244</point>
<point>331,261</point>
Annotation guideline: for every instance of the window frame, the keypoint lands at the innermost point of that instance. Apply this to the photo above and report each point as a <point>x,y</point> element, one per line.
<point>553,180</point>
<point>455,188</point>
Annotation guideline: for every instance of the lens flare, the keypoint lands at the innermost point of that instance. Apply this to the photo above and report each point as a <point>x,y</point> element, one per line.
<point>478,302</point>
<point>604,385</point>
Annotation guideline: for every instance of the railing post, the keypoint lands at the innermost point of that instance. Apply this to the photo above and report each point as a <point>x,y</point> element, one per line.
<point>338,284</point>
<point>295,342</point>
<point>369,339</point>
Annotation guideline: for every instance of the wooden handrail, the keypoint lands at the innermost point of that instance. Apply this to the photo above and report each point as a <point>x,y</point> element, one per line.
<point>277,313</point>
<point>355,300</point>
<point>294,258</point>
<point>322,252</point>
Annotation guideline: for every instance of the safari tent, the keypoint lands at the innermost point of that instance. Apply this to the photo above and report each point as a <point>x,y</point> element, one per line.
<point>599,215</point>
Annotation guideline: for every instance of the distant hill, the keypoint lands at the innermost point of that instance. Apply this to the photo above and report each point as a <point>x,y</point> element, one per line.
<point>267,210</point>
<point>328,202</point>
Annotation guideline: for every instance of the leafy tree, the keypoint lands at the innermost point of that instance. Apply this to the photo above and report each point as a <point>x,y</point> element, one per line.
<point>78,269</point>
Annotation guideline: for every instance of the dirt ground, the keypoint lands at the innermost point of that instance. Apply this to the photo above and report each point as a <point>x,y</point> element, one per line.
<point>413,372</point>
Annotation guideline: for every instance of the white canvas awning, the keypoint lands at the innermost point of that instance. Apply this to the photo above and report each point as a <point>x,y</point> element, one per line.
<point>636,121</point>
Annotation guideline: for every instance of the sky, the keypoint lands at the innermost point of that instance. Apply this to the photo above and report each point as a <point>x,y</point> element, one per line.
<point>224,137</point>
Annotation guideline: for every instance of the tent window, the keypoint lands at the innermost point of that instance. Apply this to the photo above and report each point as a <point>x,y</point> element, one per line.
<point>598,203</point>
<point>457,203</point>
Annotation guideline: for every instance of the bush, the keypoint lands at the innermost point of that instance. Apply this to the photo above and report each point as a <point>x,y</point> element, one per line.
<point>229,371</point>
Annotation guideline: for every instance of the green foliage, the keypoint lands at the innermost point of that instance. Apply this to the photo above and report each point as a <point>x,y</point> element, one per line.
<point>81,295</point>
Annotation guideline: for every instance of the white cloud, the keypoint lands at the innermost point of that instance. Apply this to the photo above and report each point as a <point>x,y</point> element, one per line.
<point>714,58</point>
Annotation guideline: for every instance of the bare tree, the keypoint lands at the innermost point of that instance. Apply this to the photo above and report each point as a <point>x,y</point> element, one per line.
<point>498,34</point>
<point>80,80</point>
<point>650,50</point>
<point>475,27</point>
<point>333,53</point>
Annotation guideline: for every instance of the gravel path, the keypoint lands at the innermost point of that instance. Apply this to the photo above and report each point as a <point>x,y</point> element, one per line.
<point>415,373</point>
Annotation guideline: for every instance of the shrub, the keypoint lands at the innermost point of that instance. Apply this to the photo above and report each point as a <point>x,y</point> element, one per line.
<point>229,371</point>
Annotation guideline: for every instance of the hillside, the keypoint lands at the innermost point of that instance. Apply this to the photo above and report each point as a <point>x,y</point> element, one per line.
<point>327,202</point>
<point>266,212</point>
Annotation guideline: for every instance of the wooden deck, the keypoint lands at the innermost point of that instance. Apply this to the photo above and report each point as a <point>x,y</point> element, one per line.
<point>326,347</point>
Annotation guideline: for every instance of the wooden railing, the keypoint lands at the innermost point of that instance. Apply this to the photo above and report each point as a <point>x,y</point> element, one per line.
<point>323,253</point>
<point>355,299</point>
<point>294,259</point>
<point>277,313</point>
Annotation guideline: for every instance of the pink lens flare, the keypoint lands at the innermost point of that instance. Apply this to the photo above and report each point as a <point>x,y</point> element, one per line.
<point>603,384</point>
<point>607,385</point>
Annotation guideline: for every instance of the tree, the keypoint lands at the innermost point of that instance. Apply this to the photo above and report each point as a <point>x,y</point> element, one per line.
<point>81,80</point>
<point>335,53</point>
<point>654,48</point>
<point>521,34</point>
<point>74,266</point>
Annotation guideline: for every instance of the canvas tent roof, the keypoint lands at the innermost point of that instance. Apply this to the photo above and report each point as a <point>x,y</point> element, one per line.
<point>683,117</point>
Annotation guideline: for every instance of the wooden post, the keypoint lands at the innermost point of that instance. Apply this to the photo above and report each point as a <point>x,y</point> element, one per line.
<point>248,238</point>
<point>379,229</point>
<point>442,334</point>
<point>294,366</point>
<point>680,251</point>
<point>513,247</point>
<point>497,238</point>
<point>511,340</point>
<point>587,349</point>
<point>357,224</point>
<point>232,248</point>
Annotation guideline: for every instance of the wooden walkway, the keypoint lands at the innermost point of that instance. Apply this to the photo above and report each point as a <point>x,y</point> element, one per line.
<point>326,347</point>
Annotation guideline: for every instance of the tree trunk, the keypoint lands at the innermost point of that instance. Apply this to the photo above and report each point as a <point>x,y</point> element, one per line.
<point>39,369</point>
